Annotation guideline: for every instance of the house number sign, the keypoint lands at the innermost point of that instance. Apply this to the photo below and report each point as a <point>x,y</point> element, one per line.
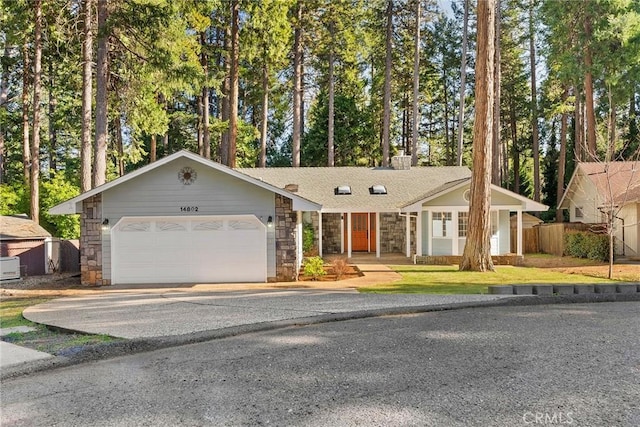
<point>188,209</point>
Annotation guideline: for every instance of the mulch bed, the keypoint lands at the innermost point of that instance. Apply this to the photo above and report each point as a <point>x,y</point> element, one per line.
<point>351,273</point>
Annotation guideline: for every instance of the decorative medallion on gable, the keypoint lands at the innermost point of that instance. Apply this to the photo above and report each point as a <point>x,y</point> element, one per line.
<point>187,175</point>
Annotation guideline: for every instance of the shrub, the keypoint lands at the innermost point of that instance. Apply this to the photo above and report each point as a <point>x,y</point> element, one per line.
<point>581,244</point>
<point>314,267</point>
<point>339,267</point>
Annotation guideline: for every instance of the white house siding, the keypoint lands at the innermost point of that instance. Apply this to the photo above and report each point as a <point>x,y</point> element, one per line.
<point>454,202</point>
<point>504,230</point>
<point>584,198</point>
<point>630,215</point>
<point>160,193</point>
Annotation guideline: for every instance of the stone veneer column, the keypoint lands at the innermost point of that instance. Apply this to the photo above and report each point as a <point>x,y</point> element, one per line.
<point>91,241</point>
<point>285,229</point>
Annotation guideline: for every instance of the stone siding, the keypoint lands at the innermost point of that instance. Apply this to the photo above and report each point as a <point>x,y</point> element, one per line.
<point>331,233</point>
<point>285,229</point>
<point>393,235</point>
<point>91,242</point>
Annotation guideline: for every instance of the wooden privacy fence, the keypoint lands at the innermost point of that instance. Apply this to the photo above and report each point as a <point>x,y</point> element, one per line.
<point>545,238</point>
<point>551,236</point>
<point>530,240</point>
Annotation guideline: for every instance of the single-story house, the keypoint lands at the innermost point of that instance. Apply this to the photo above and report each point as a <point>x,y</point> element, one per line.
<point>186,219</point>
<point>26,239</point>
<point>596,188</point>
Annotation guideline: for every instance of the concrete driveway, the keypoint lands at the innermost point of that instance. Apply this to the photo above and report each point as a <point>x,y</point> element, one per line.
<point>170,312</point>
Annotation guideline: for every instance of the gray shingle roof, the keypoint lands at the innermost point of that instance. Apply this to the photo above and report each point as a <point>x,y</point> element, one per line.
<point>403,186</point>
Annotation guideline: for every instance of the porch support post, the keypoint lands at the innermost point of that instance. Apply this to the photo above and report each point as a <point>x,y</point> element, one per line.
<point>320,233</point>
<point>430,239</point>
<point>519,228</point>
<point>341,233</point>
<point>377,234</point>
<point>455,249</point>
<point>349,228</point>
<point>419,233</point>
<point>299,249</point>
<point>407,236</point>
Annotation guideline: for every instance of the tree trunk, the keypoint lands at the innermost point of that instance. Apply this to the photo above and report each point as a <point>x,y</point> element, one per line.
<point>415,117</point>
<point>264,125</point>
<point>153,148</point>
<point>445,91</point>
<point>4,95</point>
<point>477,251</point>
<point>579,128</point>
<point>611,152</point>
<point>534,107</point>
<point>386,118</point>
<point>87,95</point>
<point>562,159</point>
<point>226,90</point>
<point>496,172</point>
<point>233,95</point>
<point>119,146</point>
<point>463,79</point>
<point>53,132</point>
<point>588,92</point>
<point>102,81</point>
<point>200,137</point>
<point>26,141</point>
<point>330,130</point>
<point>37,82</point>
<point>297,87</point>
<point>206,135</point>
<point>515,149</point>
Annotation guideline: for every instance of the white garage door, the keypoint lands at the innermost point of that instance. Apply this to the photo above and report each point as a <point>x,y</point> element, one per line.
<point>203,249</point>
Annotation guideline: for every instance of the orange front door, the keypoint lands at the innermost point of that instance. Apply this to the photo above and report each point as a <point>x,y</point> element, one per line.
<point>359,232</point>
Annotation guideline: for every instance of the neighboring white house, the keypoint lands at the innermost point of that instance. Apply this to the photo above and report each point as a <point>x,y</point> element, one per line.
<point>186,219</point>
<point>598,187</point>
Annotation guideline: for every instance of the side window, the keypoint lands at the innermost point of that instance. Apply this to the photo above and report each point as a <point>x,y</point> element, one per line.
<point>463,223</point>
<point>578,212</point>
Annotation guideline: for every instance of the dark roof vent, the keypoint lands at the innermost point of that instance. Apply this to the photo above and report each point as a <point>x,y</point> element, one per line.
<point>292,188</point>
<point>378,189</point>
<point>342,190</point>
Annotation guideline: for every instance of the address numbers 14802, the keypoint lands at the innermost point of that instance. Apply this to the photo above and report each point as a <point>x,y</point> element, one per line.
<point>188,209</point>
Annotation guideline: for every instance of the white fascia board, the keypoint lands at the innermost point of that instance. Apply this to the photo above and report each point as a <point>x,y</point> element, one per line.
<point>526,203</point>
<point>417,206</point>
<point>360,210</point>
<point>569,188</point>
<point>74,205</point>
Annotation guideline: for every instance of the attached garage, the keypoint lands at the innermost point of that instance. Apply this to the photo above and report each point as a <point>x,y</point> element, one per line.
<point>192,249</point>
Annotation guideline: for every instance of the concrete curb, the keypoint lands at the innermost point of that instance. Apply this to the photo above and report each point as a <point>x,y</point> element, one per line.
<point>125,348</point>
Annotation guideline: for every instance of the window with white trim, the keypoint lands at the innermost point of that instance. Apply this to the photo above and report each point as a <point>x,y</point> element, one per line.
<point>578,212</point>
<point>442,224</point>
<point>463,223</point>
<point>494,222</point>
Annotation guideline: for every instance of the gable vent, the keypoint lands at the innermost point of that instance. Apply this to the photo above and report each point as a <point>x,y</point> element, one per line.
<point>342,190</point>
<point>378,189</point>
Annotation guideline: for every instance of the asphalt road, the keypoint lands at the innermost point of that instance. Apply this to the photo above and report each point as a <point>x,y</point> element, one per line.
<point>573,364</point>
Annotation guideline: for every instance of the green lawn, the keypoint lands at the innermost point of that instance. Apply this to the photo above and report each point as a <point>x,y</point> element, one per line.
<point>42,338</point>
<point>443,279</point>
<point>11,311</point>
